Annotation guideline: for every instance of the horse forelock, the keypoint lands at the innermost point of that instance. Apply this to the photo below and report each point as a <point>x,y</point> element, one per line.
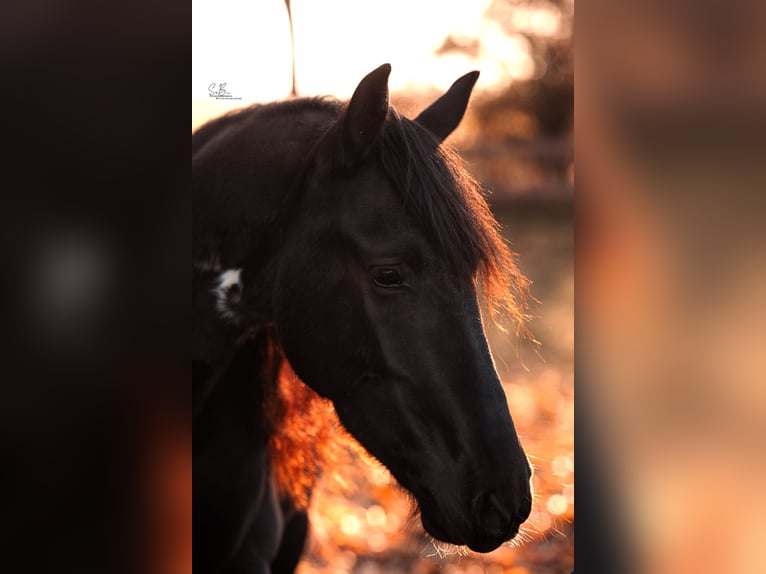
<point>452,209</point>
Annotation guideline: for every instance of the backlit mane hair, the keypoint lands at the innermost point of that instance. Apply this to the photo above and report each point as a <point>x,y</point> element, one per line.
<point>451,208</point>
<point>306,435</point>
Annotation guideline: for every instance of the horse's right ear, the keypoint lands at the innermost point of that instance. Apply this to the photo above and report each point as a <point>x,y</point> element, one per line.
<point>365,114</point>
<point>444,115</point>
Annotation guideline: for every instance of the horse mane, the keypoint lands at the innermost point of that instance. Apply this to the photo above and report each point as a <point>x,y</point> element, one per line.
<point>306,435</point>
<point>451,208</point>
<point>241,118</point>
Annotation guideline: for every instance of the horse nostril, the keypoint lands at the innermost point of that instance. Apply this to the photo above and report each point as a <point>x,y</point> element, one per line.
<point>498,507</point>
<point>495,517</point>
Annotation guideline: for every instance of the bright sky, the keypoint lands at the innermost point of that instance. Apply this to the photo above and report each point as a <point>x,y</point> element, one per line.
<point>246,44</point>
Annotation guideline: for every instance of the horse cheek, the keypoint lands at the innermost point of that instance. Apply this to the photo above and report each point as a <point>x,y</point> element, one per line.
<point>314,311</point>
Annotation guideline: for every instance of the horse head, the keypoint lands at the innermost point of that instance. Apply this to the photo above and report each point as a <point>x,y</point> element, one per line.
<point>377,309</point>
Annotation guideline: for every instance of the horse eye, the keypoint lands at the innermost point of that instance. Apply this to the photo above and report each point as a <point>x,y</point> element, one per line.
<point>386,277</point>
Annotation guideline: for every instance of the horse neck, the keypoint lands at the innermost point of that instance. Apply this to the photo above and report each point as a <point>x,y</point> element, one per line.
<point>239,396</point>
<point>243,169</point>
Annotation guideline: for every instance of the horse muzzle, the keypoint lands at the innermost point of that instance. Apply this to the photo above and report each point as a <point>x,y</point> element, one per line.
<point>494,522</point>
<point>491,521</point>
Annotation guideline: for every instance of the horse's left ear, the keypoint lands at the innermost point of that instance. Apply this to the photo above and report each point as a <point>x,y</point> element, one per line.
<point>366,113</point>
<point>444,115</point>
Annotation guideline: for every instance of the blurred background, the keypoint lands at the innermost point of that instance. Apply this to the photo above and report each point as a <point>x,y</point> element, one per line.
<point>671,263</point>
<point>516,139</point>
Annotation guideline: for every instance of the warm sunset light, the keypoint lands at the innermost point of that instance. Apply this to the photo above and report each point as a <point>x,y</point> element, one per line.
<point>246,46</point>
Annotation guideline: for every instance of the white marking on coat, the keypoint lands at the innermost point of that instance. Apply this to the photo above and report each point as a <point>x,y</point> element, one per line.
<point>226,281</point>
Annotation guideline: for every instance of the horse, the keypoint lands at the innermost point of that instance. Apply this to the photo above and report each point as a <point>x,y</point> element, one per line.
<point>346,244</point>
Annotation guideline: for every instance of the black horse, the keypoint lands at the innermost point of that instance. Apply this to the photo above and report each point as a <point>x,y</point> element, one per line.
<point>349,242</point>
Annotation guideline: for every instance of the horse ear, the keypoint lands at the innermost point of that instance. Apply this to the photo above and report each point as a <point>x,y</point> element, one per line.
<point>444,115</point>
<point>366,113</point>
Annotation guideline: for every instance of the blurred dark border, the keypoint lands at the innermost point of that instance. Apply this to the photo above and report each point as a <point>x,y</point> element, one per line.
<point>95,170</point>
<point>669,124</point>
